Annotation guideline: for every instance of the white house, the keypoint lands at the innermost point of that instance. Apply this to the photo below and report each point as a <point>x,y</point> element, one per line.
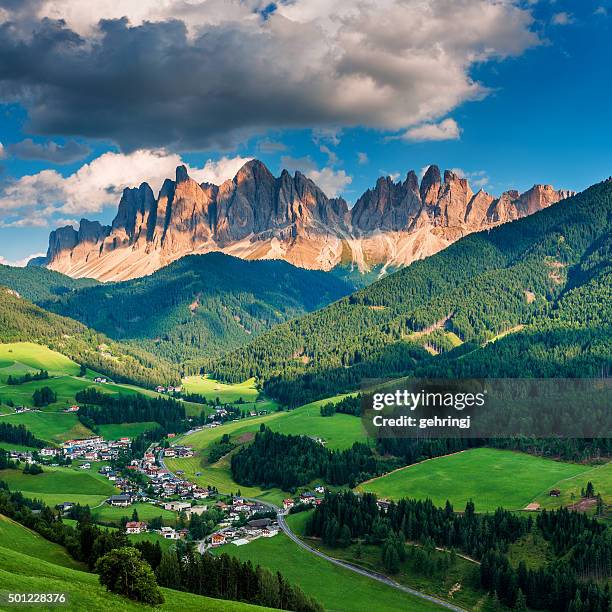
<point>168,533</point>
<point>119,500</point>
<point>135,527</point>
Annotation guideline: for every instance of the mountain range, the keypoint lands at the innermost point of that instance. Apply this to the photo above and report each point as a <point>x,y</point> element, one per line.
<point>258,216</point>
<point>527,299</point>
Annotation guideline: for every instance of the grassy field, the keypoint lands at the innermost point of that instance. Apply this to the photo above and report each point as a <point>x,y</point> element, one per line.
<point>57,485</point>
<point>600,476</point>
<point>533,549</point>
<point>339,431</point>
<point>146,512</point>
<point>219,475</point>
<point>21,357</point>
<point>53,427</point>
<point>29,542</point>
<point>440,583</point>
<point>15,447</point>
<point>338,589</point>
<point>29,564</point>
<point>489,477</point>
<point>151,537</point>
<point>115,431</point>
<point>228,394</point>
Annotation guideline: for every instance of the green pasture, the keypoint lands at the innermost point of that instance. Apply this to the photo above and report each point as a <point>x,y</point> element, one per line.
<point>489,477</point>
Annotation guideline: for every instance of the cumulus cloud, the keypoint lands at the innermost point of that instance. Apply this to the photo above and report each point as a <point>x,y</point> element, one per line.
<point>2,151</point>
<point>362,158</point>
<point>562,18</point>
<point>35,199</point>
<point>601,10</point>
<point>50,151</point>
<point>331,181</point>
<point>445,130</point>
<point>194,74</point>
<point>19,263</point>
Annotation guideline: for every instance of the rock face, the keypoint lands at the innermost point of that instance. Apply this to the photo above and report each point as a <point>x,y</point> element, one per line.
<point>258,216</point>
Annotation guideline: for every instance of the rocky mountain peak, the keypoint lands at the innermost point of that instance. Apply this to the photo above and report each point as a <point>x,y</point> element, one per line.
<point>258,216</point>
<point>412,181</point>
<point>181,174</point>
<point>430,185</point>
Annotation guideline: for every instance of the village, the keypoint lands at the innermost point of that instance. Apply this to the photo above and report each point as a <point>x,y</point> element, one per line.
<point>146,480</point>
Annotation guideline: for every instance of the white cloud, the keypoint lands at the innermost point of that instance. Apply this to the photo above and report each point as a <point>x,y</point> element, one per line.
<point>332,182</point>
<point>362,158</point>
<point>193,74</point>
<point>445,130</point>
<point>32,199</point>
<point>562,18</point>
<point>332,157</point>
<point>2,151</point>
<point>20,263</point>
<point>601,10</point>
<point>218,171</point>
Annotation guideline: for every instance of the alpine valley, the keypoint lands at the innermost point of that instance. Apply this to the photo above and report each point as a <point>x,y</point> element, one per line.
<point>250,361</point>
<point>257,216</point>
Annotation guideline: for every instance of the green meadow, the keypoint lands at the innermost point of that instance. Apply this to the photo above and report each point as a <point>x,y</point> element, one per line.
<point>219,475</point>
<point>459,583</point>
<point>570,488</point>
<point>30,564</point>
<point>489,477</point>
<point>110,514</point>
<point>21,357</point>
<point>227,393</point>
<point>53,427</point>
<point>29,542</point>
<point>114,431</point>
<point>339,431</point>
<point>57,485</point>
<point>338,589</point>
<point>153,538</point>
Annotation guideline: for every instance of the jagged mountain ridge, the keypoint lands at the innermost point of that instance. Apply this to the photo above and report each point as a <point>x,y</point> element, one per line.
<point>258,216</point>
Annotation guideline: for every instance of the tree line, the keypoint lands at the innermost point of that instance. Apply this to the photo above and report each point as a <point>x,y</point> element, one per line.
<point>347,405</point>
<point>99,408</point>
<point>550,273</point>
<point>572,581</point>
<point>22,321</point>
<point>27,377</point>
<point>135,570</point>
<point>18,434</point>
<point>285,461</point>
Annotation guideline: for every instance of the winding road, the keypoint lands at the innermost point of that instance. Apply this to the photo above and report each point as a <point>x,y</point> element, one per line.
<point>282,523</point>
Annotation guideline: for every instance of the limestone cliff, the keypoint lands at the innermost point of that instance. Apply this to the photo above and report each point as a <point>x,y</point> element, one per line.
<point>256,215</point>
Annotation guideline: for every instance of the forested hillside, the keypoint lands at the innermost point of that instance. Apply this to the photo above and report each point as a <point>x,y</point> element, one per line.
<point>38,284</point>
<point>20,320</point>
<point>201,305</point>
<point>530,298</point>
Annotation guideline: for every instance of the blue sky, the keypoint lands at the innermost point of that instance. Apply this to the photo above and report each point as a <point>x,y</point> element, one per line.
<point>521,98</point>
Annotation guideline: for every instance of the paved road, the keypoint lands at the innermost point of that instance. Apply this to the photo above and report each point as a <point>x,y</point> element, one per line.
<point>282,523</point>
<point>363,572</point>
